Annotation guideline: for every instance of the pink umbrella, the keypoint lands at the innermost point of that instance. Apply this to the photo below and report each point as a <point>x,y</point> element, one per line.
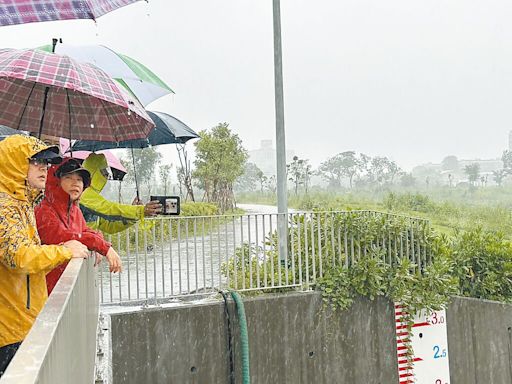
<point>30,11</point>
<point>118,169</point>
<point>49,94</point>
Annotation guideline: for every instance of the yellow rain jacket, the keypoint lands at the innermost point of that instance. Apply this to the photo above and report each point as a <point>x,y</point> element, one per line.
<point>24,262</point>
<point>100,213</point>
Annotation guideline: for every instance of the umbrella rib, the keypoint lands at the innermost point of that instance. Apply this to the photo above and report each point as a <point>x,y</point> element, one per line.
<point>26,104</point>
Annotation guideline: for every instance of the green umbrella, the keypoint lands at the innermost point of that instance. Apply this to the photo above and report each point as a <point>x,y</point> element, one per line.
<point>138,79</point>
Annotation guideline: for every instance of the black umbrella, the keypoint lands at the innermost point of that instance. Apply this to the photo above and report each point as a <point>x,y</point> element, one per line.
<point>168,130</point>
<point>6,131</point>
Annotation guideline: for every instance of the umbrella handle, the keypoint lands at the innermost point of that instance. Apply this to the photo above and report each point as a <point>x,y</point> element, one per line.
<point>54,43</point>
<point>135,176</point>
<point>41,122</point>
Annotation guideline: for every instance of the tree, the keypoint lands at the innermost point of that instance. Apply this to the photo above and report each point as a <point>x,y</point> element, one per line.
<point>450,163</point>
<point>392,170</point>
<point>331,171</point>
<point>272,184</point>
<point>507,161</point>
<point>344,164</point>
<point>165,175</point>
<point>499,175</point>
<point>472,170</point>
<point>407,180</point>
<point>299,173</point>
<point>382,170</point>
<point>294,172</point>
<point>220,160</point>
<point>184,173</point>
<point>364,163</point>
<point>141,166</point>
<point>248,180</point>
<point>262,180</point>
<point>308,172</point>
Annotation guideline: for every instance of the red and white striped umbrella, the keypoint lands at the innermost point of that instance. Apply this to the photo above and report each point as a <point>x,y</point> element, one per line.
<point>55,95</point>
<point>29,11</point>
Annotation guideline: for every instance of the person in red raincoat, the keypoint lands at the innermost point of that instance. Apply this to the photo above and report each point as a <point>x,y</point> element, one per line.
<point>59,218</point>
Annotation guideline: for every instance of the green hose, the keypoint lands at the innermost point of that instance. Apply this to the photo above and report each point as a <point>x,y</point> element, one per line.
<point>244,342</point>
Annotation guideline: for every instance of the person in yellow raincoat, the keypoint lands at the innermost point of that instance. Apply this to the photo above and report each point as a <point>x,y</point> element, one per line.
<point>106,215</point>
<point>24,262</point>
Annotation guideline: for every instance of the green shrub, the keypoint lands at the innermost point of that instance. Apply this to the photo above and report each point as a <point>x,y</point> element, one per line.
<point>198,209</point>
<point>408,202</point>
<point>483,264</point>
<point>366,243</point>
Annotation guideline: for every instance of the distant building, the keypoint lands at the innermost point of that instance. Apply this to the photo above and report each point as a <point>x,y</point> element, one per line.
<point>486,166</point>
<point>451,170</point>
<point>443,175</point>
<point>265,157</point>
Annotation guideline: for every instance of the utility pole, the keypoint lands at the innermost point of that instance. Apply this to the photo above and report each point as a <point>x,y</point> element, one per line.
<point>282,189</point>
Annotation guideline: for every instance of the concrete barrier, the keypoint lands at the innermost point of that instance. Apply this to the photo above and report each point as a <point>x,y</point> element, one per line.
<point>293,339</point>
<point>61,346</point>
<point>479,341</point>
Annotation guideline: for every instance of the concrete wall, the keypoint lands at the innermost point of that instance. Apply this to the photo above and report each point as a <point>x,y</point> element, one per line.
<point>294,340</point>
<point>479,341</point>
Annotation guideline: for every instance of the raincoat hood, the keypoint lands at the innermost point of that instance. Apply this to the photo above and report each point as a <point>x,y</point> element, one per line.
<point>94,163</point>
<point>15,152</point>
<point>100,213</point>
<point>53,192</point>
<point>24,262</point>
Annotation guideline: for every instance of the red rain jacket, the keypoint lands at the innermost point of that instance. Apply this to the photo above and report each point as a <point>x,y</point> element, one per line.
<point>60,220</point>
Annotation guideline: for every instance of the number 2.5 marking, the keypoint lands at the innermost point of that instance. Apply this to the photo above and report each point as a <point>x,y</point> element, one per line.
<point>438,353</point>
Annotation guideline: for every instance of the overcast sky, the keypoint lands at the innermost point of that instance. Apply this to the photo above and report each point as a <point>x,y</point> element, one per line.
<point>411,80</point>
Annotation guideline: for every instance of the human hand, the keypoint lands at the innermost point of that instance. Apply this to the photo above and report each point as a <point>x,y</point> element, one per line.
<point>137,201</point>
<point>78,250</point>
<point>152,208</point>
<point>114,261</point>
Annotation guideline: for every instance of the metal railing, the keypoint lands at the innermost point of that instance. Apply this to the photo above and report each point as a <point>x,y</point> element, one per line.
<point>177,256</point>
<point>61,345</point>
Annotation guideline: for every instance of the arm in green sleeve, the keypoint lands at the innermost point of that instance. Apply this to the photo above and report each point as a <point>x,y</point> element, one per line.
<point>109,217</point>
<point>108,209</point>
<point>111,227</point>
